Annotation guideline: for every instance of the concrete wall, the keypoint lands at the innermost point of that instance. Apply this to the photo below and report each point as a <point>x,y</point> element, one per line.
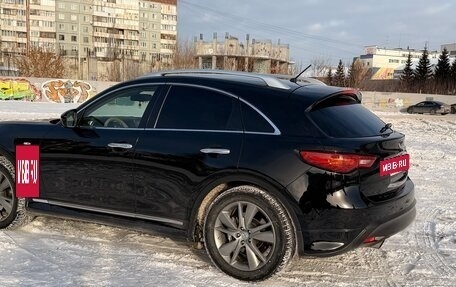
<point>50,90</point>
<point>76,91</point>
<point>397,101</point>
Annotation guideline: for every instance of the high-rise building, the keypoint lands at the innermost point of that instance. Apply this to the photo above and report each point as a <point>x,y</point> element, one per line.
<point>104,30</point>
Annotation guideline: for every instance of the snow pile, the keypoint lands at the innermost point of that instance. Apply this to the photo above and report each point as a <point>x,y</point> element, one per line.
<point>54,252</point>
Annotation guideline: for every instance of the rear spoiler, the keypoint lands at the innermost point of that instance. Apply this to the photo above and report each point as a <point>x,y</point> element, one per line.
<point>355,94</point>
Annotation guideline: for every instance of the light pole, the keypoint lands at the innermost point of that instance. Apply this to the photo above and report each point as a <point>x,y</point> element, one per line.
<point>79,47</point>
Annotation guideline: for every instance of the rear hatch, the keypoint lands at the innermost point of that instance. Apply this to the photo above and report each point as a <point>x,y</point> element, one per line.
<point>350,128</point>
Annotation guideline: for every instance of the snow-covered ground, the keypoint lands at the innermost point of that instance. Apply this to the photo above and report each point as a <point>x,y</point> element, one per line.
<point>54,252</point>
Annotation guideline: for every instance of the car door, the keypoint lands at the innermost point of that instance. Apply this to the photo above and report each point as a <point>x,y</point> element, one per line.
<point>90,166</point>
<point>420,107</point>
<point>195,138</point>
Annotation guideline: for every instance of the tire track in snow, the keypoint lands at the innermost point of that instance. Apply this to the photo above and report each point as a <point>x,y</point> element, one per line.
<point>426,240</point>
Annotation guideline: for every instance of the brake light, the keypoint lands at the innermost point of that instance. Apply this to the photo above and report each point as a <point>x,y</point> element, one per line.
<point>337,162</point>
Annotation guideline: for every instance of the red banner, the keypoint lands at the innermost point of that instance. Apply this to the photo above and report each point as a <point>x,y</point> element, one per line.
<point>27,171</point>
<point>394,165</point>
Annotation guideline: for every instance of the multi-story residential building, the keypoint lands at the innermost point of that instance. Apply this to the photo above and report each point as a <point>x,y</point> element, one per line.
<point>251,56</point>
<point>14,25</point>
<point>383,62</point>
<point>101,30</point>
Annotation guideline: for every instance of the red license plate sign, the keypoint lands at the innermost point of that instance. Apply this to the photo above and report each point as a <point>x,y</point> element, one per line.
<point>394,165</point>
<point>27,171</point>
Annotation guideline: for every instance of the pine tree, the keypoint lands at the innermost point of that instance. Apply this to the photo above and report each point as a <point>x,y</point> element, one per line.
<point>329,77</point>
<point>442,72</point>
<point>423,72</point>
<point>407,74</point>
<point>339,77</point>
<point>453,75</point>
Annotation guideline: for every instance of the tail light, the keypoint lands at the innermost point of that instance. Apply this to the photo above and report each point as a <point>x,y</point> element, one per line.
<point>337,162</point>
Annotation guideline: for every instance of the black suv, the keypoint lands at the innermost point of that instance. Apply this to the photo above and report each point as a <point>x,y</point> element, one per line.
<point>255,168</point>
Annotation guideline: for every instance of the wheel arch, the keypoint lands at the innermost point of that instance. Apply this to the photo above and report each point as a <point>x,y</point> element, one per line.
<point>222,183</point>
<point>6,154</point>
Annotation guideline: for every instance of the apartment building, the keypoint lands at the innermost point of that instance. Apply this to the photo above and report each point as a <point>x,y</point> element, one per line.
<point>105,30</point>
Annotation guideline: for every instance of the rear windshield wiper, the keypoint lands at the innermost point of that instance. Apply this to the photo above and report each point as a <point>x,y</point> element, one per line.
<point>386,127</point>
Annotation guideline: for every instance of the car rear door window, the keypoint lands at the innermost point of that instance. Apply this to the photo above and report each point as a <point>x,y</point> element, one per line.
<point>194,108</point>
<point>254,121</point>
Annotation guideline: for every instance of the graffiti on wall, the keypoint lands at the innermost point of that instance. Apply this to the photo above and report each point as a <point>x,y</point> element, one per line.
<point>18,89</point>
<point>67,91</point>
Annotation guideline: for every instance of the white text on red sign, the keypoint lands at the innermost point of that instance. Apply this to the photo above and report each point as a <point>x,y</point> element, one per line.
<point>27,171</point>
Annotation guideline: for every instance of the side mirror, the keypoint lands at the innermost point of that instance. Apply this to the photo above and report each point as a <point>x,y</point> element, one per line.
<point>69,118</point>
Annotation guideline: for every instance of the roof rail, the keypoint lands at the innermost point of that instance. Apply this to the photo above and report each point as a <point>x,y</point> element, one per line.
<point>269,80</point>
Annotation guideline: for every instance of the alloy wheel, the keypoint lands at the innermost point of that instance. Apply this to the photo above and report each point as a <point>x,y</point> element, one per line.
<point>244,235</point>
<point>6,197</point>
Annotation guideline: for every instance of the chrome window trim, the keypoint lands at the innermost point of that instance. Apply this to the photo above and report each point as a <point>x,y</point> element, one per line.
<point>108,211</point>
<point>195,130</point>
<point>276,130</point>
<point>109,128</point>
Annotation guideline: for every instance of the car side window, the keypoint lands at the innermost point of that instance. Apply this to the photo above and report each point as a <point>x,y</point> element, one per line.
<point>187,107</point>
<point>124,109</point>
<point>420,104</point>
<point>253,121</point>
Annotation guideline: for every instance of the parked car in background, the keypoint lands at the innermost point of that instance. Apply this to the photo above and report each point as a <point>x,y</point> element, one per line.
<point>453,108</point>
<point>254,168</point>
<point>431,107</point>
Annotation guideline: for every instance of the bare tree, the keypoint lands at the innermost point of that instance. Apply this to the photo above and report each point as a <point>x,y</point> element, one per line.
<point>184,55</point>
<point>357,74</point>
<point>114,71</point>
<point>319,67</point>
<point>40,62</point>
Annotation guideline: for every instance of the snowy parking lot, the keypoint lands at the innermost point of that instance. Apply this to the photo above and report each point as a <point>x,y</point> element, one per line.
<point>54,252</point>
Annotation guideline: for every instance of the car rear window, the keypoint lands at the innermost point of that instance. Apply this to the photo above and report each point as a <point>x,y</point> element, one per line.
<point>344,117</point>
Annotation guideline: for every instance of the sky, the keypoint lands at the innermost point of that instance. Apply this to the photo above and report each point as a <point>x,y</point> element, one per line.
<point>322,29</point>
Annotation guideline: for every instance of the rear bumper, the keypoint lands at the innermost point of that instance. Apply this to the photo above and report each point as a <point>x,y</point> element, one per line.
<point>332,230</point>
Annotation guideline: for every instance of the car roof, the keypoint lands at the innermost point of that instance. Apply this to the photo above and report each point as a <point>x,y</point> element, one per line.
<point>265,80</point>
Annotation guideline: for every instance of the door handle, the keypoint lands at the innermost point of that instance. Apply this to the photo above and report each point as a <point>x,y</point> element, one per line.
<point>120,145</point>
<point>215,151</point>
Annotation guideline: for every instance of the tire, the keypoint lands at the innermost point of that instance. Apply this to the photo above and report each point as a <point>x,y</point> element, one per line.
<point>453,110</point>
<point>12,209</point>
<point>242,249</point>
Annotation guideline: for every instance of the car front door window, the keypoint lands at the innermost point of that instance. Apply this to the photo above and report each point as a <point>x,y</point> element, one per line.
<point>123,110</point>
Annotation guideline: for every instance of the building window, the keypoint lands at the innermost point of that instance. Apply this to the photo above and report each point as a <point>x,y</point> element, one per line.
<point>74,6</point>
<point>86,39</point>
<point>62,5</point>
<point>73,38</point>
<point>61,16</point>
<point>61,37</point>
<point>74,17</point>
<point>61,26</point>
<point>85,29</point>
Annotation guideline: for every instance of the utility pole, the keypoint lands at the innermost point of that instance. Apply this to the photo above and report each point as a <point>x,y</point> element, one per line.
<point>27,24</point>
<point>79,48</point>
